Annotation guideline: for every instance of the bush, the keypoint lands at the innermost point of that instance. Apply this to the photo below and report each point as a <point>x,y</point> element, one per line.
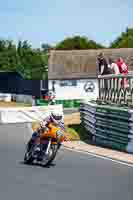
<point>78,131</point>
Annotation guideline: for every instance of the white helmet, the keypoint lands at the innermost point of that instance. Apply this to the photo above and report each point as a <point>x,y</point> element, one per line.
<point>56,116</point>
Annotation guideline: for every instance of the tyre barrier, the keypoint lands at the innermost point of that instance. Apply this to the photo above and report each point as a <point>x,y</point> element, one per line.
<point>109,125</point>
<point>68,103</point>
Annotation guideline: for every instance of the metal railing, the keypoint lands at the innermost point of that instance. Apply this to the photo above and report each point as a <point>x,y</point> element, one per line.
<point>113,90</point>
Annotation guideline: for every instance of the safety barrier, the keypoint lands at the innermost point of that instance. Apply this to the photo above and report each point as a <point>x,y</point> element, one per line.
<point>41,102</point>
<point>74,103</point>
<point>27,114</point>
<point>109,125</point>
<point>112,89</point>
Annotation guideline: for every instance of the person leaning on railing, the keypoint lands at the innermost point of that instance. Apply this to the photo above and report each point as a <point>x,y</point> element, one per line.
<point>103,68</point>
<point>123,68</point>
<point>113,66</point>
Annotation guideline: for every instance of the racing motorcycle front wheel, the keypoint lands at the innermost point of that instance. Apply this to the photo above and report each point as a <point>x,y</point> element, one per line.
<point>50,156</point>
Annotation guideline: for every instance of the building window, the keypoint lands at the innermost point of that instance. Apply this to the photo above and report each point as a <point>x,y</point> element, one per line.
<point>68,83</point>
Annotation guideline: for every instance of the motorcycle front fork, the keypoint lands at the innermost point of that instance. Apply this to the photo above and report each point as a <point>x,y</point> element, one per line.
<point>48,147</point>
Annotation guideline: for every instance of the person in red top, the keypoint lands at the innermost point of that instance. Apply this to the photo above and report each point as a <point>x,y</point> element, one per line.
<point>123,68</point>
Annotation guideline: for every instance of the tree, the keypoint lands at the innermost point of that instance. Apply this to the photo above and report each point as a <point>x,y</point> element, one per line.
<point>125,40</point>
<point>32,63</point>
<point>77,42</point>
<point>2,45</point>
<point>45,47</point>
<point>8,55</point>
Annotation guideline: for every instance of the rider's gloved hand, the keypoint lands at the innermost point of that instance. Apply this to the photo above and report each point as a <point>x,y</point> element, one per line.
<point>34,135</point>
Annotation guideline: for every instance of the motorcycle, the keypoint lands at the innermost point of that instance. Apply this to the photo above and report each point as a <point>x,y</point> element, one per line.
<point>45,149</point>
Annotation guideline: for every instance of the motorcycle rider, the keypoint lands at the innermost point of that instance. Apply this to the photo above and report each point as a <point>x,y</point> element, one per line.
<point>56,119</point>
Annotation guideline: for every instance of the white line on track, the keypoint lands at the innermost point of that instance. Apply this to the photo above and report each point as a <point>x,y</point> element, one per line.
<point>102,157</point>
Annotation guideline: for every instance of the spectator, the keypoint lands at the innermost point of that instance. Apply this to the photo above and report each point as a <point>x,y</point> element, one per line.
<point>103,68</point>
<point>123,68</point>
<point>113,66</point>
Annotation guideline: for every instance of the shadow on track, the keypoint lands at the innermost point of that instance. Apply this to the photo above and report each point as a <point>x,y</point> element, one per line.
<point>38,165</point>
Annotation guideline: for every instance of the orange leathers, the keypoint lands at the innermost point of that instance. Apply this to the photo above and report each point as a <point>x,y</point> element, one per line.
<point>52,133</point>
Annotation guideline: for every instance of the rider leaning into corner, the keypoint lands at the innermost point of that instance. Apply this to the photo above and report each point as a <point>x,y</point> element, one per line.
<point>54,118</point>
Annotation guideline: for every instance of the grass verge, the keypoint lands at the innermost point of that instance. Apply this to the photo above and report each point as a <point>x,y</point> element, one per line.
<point>77,132</point>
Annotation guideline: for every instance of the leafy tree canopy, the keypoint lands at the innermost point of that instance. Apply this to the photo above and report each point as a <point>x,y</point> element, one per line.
<point>125,40</point>
<point>32,63</point>
<point>77,42</point>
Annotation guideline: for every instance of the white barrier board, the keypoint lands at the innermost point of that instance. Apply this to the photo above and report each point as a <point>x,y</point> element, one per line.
<point>28,114</point>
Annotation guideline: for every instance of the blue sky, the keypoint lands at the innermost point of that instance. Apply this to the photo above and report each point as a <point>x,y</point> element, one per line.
<point>50,21</point>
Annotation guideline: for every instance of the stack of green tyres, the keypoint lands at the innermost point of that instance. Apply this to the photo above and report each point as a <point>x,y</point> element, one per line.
<point>112,126</point>
<point>109,124</point>
<point>130,135</point>
<point>59,101</point>
<point>68,103</point>
<point>41,102</point>
<point>88,117</point>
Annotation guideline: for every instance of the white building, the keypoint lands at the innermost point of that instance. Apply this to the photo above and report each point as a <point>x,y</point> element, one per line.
<point>73,72</point>
<point>78,88</point>
<point>72,75</point>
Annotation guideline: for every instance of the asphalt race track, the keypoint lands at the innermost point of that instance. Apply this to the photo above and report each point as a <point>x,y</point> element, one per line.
<point>75,176</point>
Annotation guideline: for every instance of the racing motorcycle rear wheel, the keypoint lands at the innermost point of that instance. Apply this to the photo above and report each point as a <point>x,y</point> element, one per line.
<point>28,159</point>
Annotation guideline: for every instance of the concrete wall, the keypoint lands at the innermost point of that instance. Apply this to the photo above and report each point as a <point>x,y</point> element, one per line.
<point>82,63</point>
<point>75,92</point>
<point>24,99</point>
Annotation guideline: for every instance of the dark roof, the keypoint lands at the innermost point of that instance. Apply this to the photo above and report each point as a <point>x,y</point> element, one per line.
<point>81,64</point>
<point>13,83</point>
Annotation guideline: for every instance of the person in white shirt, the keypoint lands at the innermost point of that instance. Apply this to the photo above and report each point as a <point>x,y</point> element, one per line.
<point>113,66</point>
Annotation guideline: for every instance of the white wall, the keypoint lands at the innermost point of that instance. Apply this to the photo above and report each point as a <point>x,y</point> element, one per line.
<point>5,97</point>
<point>75,92</point>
